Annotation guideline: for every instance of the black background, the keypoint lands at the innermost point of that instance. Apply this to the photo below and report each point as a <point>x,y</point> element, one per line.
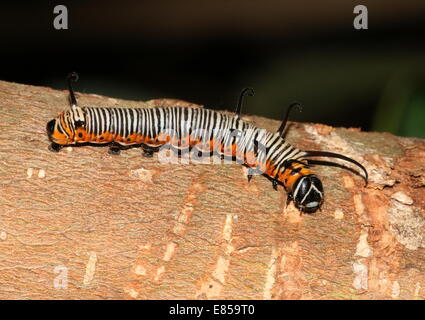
<point>206,51</point>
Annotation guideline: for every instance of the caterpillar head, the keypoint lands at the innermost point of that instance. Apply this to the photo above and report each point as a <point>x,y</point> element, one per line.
<point>61,130</point>
<point>307,193</point>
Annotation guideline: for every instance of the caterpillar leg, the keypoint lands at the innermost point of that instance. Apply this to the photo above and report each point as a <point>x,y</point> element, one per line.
<point>275,184</point>
<point>288,199</point>
<point>115,149</point>
<point>148,151</point>
<point>200,153</point>
<point>251,172</point>
<point>54,147</point>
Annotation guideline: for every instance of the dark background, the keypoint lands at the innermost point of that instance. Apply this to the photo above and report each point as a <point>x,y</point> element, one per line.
<point>207,51</point>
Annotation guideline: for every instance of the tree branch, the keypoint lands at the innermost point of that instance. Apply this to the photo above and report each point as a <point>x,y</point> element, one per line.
<point>83,224</point>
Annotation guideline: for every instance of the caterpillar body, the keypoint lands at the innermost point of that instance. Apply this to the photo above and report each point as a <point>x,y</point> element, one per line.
<point>184,128</point>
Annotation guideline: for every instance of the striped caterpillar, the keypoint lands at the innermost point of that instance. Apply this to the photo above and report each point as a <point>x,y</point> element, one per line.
<point>209,132</point>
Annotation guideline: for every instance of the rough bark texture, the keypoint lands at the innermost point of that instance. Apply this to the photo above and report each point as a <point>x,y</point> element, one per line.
<point>85,224</point>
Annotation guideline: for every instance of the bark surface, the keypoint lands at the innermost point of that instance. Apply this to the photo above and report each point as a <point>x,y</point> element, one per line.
<point>83,224</point>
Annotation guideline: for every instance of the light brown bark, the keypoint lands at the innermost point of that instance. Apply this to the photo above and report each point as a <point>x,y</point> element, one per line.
<point>129,227</point>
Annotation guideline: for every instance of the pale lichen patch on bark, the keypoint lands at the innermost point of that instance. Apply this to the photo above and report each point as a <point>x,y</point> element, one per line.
<point>290,279</point>
<point>90,269</point>
<point>363,249</point>
<point>41,173</point>
<point>360,270</point>
<point>339,214</point>
<point>407,224</point>
<point>271,274</point>
<point>213,284</point>
<point>143,174</point>
<point>3,235</point>
<point>402,197</point>
<point>395,290</point>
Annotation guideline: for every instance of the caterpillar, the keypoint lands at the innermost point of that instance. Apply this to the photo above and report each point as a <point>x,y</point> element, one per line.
<point>206,131</point>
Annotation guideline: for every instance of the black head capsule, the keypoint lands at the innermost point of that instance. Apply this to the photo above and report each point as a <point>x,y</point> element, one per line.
<point>308,193</point>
